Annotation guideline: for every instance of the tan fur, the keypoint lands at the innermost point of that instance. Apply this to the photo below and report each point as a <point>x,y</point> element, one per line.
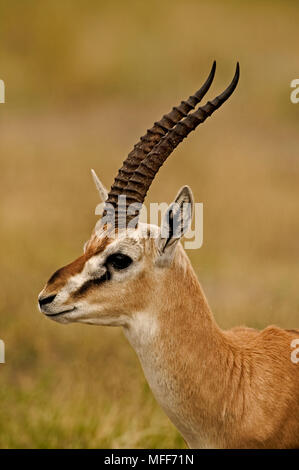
<point>222,389</point>
<point>233,389</point>
<point>58,279</point>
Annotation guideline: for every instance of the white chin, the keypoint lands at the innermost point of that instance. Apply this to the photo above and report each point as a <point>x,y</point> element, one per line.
<point>89,317</point>
<point>62,318</point>
<point>103,320</point>
<point>59,318</point>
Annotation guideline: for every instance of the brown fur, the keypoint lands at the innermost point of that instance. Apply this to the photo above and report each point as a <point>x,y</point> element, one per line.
<point>223,389</point>
<point>59,278</point>
<point>236,388</point>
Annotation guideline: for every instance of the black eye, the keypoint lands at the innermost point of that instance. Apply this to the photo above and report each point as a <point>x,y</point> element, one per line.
<point>119,261</point>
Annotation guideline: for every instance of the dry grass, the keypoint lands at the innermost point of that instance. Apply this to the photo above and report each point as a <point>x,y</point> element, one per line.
<point>78,74</point>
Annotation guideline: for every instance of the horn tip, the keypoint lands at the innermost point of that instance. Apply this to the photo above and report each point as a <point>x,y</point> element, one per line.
<point>213,69</point>
<point>94,175</point>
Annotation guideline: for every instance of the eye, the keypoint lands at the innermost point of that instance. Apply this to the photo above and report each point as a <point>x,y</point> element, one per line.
<point>119,261</point>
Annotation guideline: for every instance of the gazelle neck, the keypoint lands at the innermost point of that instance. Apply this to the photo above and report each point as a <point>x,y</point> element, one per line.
<point>181,349</point>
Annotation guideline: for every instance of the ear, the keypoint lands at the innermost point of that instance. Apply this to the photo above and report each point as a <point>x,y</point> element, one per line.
<point>175,223</point>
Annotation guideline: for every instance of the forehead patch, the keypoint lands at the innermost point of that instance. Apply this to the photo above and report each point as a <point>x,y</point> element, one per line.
<point>95,246</point>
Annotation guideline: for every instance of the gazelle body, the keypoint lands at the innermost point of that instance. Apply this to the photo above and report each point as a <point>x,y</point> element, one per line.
<point>222,389</point>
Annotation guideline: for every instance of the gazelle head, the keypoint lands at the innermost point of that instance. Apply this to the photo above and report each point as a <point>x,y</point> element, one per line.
<point>125,261</point>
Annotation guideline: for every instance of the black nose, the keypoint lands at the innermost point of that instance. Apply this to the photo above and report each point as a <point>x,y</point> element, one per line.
<point>46,300</point>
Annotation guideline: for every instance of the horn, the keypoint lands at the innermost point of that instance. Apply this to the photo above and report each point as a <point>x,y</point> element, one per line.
<point>99,185</point>
<point>143,176</point>
<point>153,136</point>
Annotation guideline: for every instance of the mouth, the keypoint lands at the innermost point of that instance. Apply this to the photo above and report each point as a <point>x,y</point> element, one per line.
<point>60,313</point>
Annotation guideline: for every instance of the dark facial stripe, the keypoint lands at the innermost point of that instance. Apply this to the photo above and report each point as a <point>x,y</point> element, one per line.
<point>61,276</point>
<point>91,284</point>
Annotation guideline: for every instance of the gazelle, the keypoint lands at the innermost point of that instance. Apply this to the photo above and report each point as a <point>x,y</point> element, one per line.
<point>221,389</point>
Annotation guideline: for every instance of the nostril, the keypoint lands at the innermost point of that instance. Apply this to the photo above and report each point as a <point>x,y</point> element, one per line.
<point>46,300</point>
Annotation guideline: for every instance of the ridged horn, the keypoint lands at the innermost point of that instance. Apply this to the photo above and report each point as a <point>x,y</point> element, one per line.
<point>143,176</point>
<point>153,136</point>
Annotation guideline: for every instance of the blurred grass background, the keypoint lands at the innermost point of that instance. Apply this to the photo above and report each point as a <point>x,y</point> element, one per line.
<point>84,79</point>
